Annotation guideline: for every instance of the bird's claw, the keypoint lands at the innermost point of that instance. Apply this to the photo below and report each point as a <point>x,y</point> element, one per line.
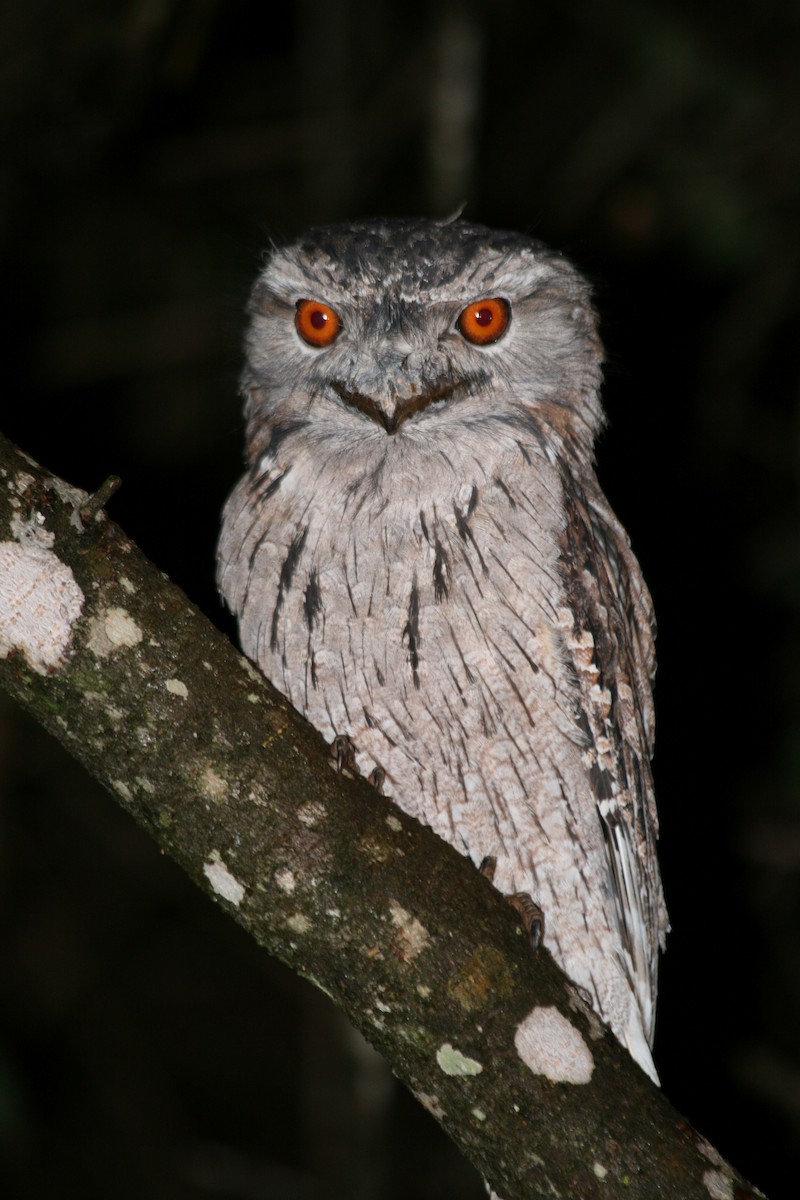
<point>527,909</point>
<point>344,752</point>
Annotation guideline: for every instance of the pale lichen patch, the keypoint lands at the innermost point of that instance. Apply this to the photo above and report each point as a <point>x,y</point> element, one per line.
<point>412,936</point>
<point>312,813</point>
<point>73,498</point>
<point>599,1170</point>
<point>122,789</point>
<point>214,787</point>
<point>551,1046</point>
<point>113,629</point>
<point>177,687</point>
<point>431,1103</point>
<point>299,923</point>
<point>222,881</point>
<point>121,629</point>
<point>30,530</point>
<point>285,880</point>
<point>126,584</point>
<point>145,784</point>
<point>479,1114</point>
<point>375,850</point>
<point>718,1186</point>
<point>40,602</point>
<point>21,482</point>
<point>453,1062</point>
<point>719,1182</point>
<point>251,670</point>
<point>710,1152</point>
<point>394,824</point>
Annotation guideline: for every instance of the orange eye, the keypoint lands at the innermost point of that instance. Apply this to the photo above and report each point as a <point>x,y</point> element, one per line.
<point>485,321</point>
<point>317,323</point>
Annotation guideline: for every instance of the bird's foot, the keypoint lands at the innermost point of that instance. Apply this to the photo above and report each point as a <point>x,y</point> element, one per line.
<point>529,912</point>
<point>488,867</point>
<point>531,916</point>
<point>376,777</point>
<point>344,752</point>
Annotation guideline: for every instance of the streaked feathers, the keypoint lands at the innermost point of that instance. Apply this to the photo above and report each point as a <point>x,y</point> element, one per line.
<point>450,590</point>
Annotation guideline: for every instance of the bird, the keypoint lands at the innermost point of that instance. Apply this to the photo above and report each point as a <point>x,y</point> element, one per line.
<point>421,559</point>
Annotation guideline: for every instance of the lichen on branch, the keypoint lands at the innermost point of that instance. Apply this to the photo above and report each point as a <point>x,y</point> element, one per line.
<point>401,931</point>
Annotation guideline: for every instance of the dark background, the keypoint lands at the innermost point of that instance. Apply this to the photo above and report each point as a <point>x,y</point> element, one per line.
<point>151,149</point>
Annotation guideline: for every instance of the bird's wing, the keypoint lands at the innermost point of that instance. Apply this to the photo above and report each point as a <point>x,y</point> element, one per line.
<point>611,641</point>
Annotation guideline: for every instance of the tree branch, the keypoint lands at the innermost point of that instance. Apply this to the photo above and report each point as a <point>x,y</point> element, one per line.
<point>400,930</point>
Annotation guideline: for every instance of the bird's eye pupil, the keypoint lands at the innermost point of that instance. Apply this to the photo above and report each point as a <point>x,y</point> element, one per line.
<point>485,321</point>
<point>317,323</point>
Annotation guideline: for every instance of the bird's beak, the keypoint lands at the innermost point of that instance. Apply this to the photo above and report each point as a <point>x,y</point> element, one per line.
<point>392,411</point>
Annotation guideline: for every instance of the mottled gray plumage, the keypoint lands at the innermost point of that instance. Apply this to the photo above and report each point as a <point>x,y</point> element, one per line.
<point>421,558</point>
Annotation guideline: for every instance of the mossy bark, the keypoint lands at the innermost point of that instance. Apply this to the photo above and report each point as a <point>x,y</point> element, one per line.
<point>401,931</point>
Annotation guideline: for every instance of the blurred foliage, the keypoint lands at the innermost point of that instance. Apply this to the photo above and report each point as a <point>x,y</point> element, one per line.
<point>151,149</point>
